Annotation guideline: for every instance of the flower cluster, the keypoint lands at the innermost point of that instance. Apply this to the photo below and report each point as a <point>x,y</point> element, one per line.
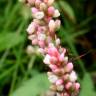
<point>41,32</point>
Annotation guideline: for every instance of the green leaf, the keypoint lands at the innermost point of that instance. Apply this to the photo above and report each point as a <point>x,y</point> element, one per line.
<point>68,10</point>
<point>87,86</point>
<point>9,40</point>
<point>33,87</point>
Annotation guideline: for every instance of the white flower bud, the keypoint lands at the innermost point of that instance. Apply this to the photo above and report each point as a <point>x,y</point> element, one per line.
<point>60,87</point>
<point>31,37</point>
<point>56,13</point>
<point>39,15</point>
<point>52,25</point>
<point>31,28</point>
<point>43,6</point>
<point>57,41</point>
<point>47,59</point>
<point>50,2</point>
<point>73,76</point>
<point>65,59</point>
<point>30,49</point>
<point>41,37</point>
<point>53,78</point>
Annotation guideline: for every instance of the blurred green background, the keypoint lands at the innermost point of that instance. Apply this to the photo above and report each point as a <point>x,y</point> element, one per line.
<point>25,75</point>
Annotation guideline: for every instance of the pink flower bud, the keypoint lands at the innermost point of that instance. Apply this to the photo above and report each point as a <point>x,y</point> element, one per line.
<point>61,58</point>
<point>34,10</point>
<point>68,85</point>
<point>34,41</point>
<point>66,77</point>
<point>51,11</point>
<point>53,67</point>
<point>41,43</point>
<point>77,86</point>
<point>53,60</point>
<point>69,67</point>
<point>53,52</point>
<point>59,82</point>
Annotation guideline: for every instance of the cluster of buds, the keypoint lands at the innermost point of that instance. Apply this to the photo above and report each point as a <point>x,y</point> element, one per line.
<point>41,32</point>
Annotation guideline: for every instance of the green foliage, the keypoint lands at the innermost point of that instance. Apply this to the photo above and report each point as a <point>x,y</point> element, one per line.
<point>30,88</point>
<point>10,40</point>
<point>87,88</point>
